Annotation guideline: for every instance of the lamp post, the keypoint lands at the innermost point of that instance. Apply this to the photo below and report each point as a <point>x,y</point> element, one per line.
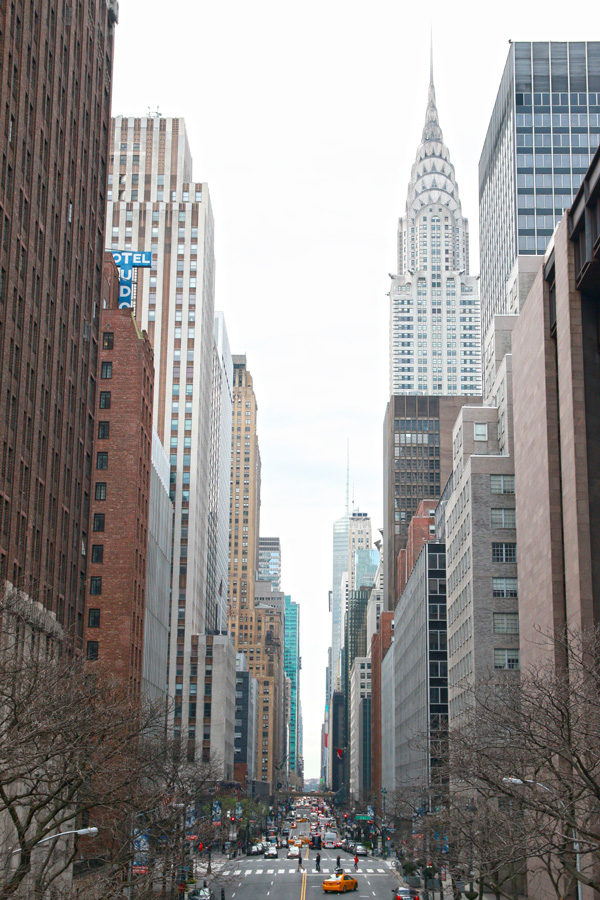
<point>82,832</point>
<point>512,780</point>
<point>383,796</point>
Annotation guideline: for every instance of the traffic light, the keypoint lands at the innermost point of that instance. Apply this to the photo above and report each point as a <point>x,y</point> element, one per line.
<point>233,819</point>
<point>201,846</point>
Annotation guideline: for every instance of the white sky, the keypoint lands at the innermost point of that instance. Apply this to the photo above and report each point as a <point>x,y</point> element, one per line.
<point>304,120</point>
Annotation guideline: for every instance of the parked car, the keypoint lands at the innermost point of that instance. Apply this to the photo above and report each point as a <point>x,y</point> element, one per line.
<point>360,850</point>
<point>255,850</point>
<point>203,893</point>
<point>404,893</point>
<point>341,883</point>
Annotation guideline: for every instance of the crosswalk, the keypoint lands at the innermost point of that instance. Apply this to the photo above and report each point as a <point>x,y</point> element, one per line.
<point>288,871</point>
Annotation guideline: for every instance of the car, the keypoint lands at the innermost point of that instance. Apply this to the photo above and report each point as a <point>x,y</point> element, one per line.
<point>283,842</point>
<point>293,825</point>
<point>302,819</point>
<point>293,852</point>
<point>404,893</point>
<point>340,883</point>
<point>360,850</point>
<point>256,849</point>
<point>203,893</point>
<point>271,852</point>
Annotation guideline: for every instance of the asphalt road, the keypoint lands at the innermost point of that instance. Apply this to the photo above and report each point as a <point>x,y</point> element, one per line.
<point>256,878</point>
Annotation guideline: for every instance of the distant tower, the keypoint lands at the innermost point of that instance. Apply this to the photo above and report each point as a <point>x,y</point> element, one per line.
<point>435,337</point>
<point>269,561</point>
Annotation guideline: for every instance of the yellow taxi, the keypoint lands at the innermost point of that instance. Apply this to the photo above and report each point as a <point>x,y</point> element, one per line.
<point>302,819</point>
<point>305,839</point>
<point>293,825</point>
<point>340,883</point>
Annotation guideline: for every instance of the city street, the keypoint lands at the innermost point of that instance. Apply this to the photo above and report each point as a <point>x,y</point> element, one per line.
<point>251,877</point>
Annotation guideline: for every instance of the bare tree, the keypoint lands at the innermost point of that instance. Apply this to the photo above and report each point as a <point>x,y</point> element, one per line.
<point>74,750</point>
<point>529,752</point>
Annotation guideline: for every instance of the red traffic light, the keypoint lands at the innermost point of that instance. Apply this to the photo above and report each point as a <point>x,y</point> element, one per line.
<point>233,818</point>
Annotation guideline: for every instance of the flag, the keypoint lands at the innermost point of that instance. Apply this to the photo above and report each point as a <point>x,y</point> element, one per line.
<point>339,752</point>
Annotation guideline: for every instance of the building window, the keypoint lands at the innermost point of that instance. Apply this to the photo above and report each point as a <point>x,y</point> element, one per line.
<point>505,587</point>
<point>92,650</point>
<point>103,430</point>
<point>102,460</point>
<point>100,490</point>
<point>506,659</point>
<point>480,431</point>
<point>504,518</point>
<point>93,618</point>
<point>506,623</point>
<point>98,521</point>
<point>104,399</point>
<point>502,484</point>
<point>106,370</point>
<point>504,552</point>
<point>108,340</point>
<point>96,584</point>
<point>97,553</point>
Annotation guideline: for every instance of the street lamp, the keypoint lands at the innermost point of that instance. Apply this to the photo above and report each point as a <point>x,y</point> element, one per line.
<point>82,832</point>
<point>512,780</point>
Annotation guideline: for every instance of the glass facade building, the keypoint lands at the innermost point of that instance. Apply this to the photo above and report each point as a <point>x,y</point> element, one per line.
<point>543,131</point>
<point>292,670</point>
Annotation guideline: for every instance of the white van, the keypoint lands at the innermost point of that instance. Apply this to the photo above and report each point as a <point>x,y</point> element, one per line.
<point>330,839</point>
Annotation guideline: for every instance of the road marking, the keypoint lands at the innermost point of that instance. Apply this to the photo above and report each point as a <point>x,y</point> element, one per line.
<point>381,870</point>
<point>259,871</point>
<point>370,871</point>
<point>238,872</point>
<point>270,871</point>
<point>280,871</point>
<point>248,872</point>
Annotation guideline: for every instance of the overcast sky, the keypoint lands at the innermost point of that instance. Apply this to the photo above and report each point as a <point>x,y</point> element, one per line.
<point>304,120</point>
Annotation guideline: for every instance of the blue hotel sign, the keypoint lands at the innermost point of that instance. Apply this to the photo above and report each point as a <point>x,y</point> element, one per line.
<point>127,261</point>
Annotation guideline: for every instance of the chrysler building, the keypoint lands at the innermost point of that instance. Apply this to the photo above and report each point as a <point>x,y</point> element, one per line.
<point>435,326</point>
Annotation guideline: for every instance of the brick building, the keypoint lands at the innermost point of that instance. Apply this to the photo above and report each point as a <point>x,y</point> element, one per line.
<point>55,93</point>
<point>121,466</point>
<point>417,460</point>
<point>557,450</point>
<point>380,644</point>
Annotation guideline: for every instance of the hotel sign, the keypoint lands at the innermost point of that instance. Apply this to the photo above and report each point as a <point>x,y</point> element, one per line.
<point>126,261</point>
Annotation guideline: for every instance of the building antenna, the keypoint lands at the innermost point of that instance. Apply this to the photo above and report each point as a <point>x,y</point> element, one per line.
<point>431,54</point>
<point>347,475</point>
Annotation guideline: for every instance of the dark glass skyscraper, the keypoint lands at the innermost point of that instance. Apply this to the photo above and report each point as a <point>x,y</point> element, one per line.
<point>544,127</point>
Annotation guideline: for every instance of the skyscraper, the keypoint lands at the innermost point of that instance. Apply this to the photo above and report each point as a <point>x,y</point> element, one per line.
<point>269,561</point>
<point>53,167</point>
<point>544,127</point>
<point>256,612</point>
<point>220,463</point>
<point>435,337</point>
<point>338,599</point>
<point>292,670</point>
<point>154,206</point>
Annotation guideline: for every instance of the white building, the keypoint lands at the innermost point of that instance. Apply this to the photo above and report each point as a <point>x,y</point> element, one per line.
<point>360,689</point>
<point>435,332</point>
<point>155,206</point>
<point>158,576</point>
<point>217,577</point>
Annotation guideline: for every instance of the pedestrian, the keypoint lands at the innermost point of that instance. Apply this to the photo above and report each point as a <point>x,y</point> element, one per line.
<point>356,863</point>
<point>338,862</point>
<point>300,866</point>
<point>318,862</point>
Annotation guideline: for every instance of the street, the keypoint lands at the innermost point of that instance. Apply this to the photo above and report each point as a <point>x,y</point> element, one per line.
<point>251,877</point>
